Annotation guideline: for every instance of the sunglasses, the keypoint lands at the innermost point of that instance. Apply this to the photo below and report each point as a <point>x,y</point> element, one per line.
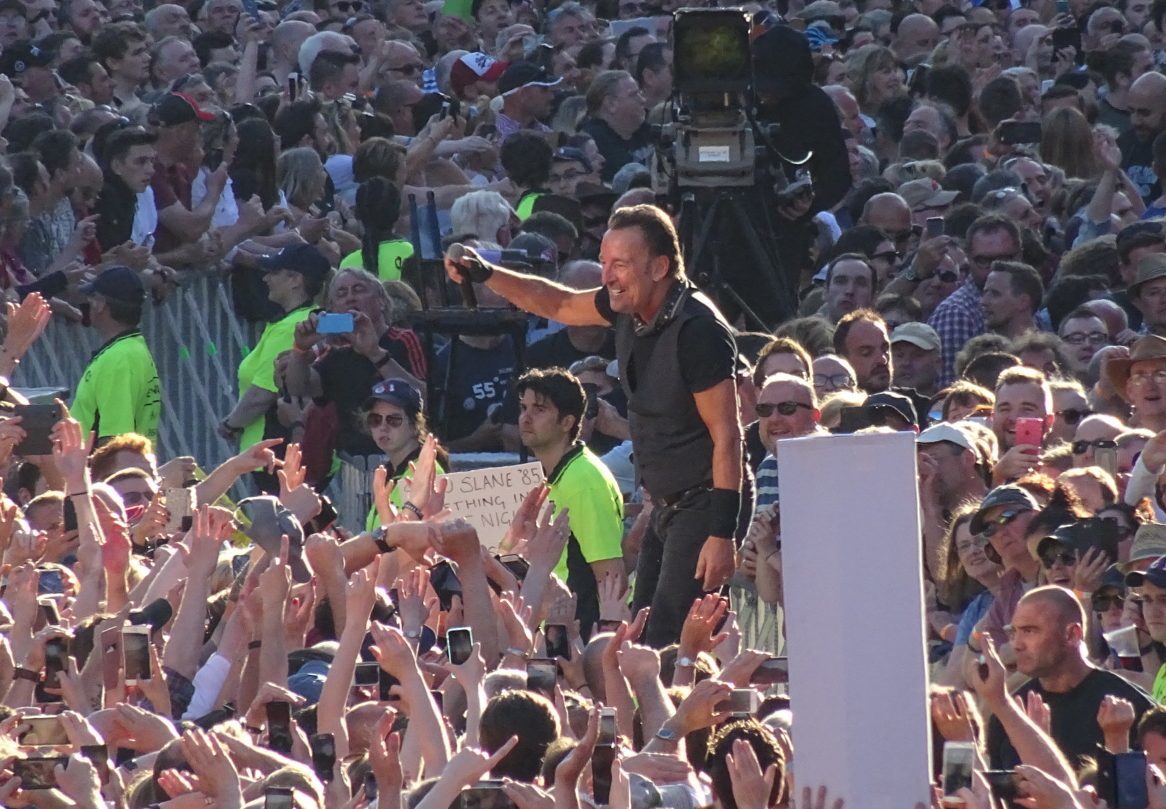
<point>765,410</point>
<point>1066,558</point>
<point>1081,447</point>
<point>374,420</point>
<point>1107,603</point>
<point>948,276</point>
<point>1003,519</point>
<point>1073,415</point>
<point>347,6</point>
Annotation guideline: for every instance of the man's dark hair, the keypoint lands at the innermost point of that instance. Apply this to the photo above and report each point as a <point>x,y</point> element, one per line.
<point>561,388</point>
<point>892,116</point>
<point>528,716</point>
<point>22,130</point>
<point>952,85</point>
<point>889,302</point>
<point>1138,235</point>
<point>56,149</point>
<point>994,181</point>
<point>861,193</point>
<point>653,56</point>
<point>1059,91</point>
<point>1022,280</point>
<point>842,330</point>
<point>963,179</point>
<point>527,157</point>
<point>120,142</point>
<point>765,747</point>
<point>209,41</point>
<point>1066,294</point>
<point>25,168</point>
<point>591,54</point>
<point>851,257</point>
<point>992,222</point>
<point>1117,60</point>
<point>965,150</point>
<point>113,41</point>
<point>297,121</point>
<point>658,232</point>
<point>1000,100</point>
<point>624,42</point>
<point>1152,721</point>
<point>329,66</point>
<point>864,239</point>
<point>941,15</point>
<point>78,70</point>
<point>781,345</point>
<point>551,225</point>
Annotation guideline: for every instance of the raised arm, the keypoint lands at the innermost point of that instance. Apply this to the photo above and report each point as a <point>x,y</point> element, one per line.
<point>531,293</point>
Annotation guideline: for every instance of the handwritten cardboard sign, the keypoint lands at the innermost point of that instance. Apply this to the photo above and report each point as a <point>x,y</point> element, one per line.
<point>487,498</point>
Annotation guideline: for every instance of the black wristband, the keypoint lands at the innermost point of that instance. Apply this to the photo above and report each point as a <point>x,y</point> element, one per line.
<point>477,271</point>
<point>725,508</point>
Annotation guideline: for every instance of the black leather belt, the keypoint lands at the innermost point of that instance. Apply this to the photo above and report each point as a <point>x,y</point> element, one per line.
<point>672,499</point>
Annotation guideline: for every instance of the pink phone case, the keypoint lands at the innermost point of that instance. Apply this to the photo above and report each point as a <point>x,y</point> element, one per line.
<point>1029,431</point>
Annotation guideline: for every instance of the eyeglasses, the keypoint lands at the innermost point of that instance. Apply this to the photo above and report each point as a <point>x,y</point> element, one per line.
<point>1080,338</point>
<point>1081,447</point>
<point>948,276</point>
<point>374,420</point>
<point>1066,558</point>
<point>1000,521</point>
<point>1072,415</point>
<point>137,498</point>
<point>765,410</point>
<point>1142,377</point>
<point>842,380</point>
<point>889,256</point>
<point>1107,603</point>
<point>408,70</point>
<point>346,6</point>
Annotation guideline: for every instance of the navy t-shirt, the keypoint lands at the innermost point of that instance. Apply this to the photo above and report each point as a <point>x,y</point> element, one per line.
<point>480,379</point>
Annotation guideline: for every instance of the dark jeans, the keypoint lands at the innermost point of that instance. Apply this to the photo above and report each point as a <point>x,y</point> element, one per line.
<point>664,580</point>
<point>667,565</point>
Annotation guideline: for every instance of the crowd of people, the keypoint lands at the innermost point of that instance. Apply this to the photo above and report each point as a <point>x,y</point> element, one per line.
<point>977,245</point>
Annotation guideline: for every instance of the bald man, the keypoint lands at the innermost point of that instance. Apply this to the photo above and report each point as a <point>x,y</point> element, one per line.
<point>848,111</point>
<point>891,214</point>
<point>1048,632</point>
<point>169,20</point>
<point>1147,104</point>
<point>916,38</point>
<point>286,40</point>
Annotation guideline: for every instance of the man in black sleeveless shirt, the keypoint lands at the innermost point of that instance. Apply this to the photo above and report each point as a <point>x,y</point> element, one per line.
<point>676,358</point>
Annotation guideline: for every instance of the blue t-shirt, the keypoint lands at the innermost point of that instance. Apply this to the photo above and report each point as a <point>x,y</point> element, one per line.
<point>1154,213</point>
<point>977,608</point>
<point>480,380</point>
<point>767,483</point>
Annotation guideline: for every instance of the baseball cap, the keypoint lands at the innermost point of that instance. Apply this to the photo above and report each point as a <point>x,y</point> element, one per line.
<point>175,109</point>
<point>894,401</point>
<point>1006,495</point>
<point>156,614</point>
<point>525,74</point>
<point>1155,574</point>
<point>945,431</point>
<point>309,681</point>
<point>570,154</point>
<point>302,258</point>
<point>20,56</point>
<point>917,334</point>
<point>400,393</point>
<point>265,520</point>
<point>474,67</point>
<point>819,34</point>
<point>926,193</point>
<point>117,284</point>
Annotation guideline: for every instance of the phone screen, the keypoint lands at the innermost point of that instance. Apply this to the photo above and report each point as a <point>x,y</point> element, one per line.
<point>279,736</point>
<point>111,662</point>
<point>278,798</point>
<point>136,648</point>
<point>36,772</point>
<point>772,671</point>
<point>958,759</point>
<point>601,761</point>
<point>367,673</point>
<point>558,645</point>
<point>459,642</point>
<point>1129,777</point>
<point>180,507</point>
<point>323,755</point>
<point>384,685</point>
<point>934,227</point>
<point>43,731</point>
<point>541,675</point>
<point>607,729</point>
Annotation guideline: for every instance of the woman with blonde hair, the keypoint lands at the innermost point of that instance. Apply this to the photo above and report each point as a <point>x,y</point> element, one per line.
<point>875,77</point>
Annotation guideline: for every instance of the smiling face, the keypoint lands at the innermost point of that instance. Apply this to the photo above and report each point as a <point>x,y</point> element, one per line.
<point>631,274</point>
<point>1014,401</point>
<point>777,426</point>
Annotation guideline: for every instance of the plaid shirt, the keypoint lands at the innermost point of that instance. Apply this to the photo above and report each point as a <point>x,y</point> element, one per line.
<point>957,319</point>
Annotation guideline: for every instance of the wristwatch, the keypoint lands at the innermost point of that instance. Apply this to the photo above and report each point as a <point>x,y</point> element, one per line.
<point>379,536</point>
<point>685,662</point>
<point>909,274</point>
<point>413,634</point>
<point>667,734</point>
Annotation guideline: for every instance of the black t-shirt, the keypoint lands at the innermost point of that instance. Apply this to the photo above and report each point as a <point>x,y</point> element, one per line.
<point>1074,717</point>
<point>1137,158</point>
<point>478,383</point>
<point>347,377</point>
<point>616,151</point>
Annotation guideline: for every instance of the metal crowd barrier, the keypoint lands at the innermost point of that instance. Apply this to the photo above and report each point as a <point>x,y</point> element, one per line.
<point>197,342</point>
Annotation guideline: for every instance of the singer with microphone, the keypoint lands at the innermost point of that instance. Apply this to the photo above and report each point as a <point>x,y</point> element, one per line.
<point>676,357</point>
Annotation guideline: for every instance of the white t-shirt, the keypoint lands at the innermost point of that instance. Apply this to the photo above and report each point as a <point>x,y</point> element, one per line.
<point>145,219</point>
<point>227,211</point>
